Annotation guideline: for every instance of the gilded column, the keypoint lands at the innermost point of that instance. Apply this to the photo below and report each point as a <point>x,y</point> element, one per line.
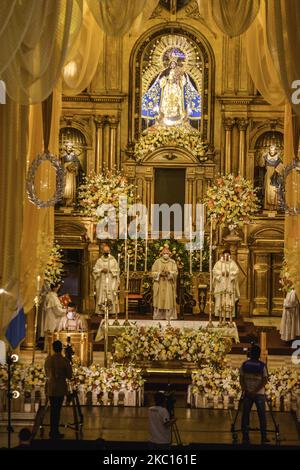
<point>242,126</point>
<point>100,122</point>
<point>106,143</point>
<point>228,125</point>
<point>113,124</point>
<point>148,200</point>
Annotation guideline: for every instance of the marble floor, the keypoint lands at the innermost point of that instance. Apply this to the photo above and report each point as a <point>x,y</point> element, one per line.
<point>195,426</point>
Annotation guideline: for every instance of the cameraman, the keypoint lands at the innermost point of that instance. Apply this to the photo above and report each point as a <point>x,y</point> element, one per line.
<point>160,423</point>
<point>58,369</point>
<point>253,378</point>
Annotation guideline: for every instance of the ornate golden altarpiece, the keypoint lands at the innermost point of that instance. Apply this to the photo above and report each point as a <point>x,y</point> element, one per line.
<point>235,117</point>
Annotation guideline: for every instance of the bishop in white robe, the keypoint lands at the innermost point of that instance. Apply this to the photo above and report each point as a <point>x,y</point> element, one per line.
<point>290,321</point>
<point>225,285</point>
<point>106,273</point>
<point>164,273</point>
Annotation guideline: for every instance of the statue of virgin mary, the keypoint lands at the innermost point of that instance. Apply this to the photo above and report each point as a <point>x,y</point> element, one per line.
<point>172,99</point>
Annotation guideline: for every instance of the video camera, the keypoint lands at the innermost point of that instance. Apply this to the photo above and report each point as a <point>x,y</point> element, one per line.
<point>69,352</point>
<point>248,351</point>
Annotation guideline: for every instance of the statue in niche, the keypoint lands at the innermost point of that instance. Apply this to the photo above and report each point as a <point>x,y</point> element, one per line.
<point>69,156</point>
<point>172,99</point>
<point>271,179</point>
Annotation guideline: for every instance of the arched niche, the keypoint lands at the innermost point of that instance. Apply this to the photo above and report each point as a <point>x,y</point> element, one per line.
<point>202,50</point>
<point>264,170</point>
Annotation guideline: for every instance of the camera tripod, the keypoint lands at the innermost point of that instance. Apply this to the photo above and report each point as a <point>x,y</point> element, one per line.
<point>235,431</point>
<point>73,401</point>
<point>175,436</point>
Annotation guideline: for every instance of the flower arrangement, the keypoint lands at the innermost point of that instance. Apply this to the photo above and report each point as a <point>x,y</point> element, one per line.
<point>103,188</point>
<point>232,201</point>
<point>216,381</point>
<point>100,379</point>
<point>178,253</point>
<point>182,136</point>
<point>54,268</point>
<point>282,381</point>
<point>34,376</point>
<point>170,344</point>
<point>94,377</point>
<point>285,279</point>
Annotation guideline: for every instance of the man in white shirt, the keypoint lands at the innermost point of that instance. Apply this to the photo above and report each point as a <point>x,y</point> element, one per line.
<point>160,424</point>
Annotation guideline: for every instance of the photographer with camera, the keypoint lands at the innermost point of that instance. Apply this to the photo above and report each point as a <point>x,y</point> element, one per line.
<point>160,423</point>
<point>253,378</point>
<point>58,369</point>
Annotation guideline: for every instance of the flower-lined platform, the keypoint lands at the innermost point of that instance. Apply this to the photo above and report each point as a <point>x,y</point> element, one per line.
<point>225,332</point>
<point>116,385</point>
<point>219,388</point>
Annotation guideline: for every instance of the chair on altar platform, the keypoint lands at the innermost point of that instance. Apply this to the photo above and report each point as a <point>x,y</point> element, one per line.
<point>135,295</point>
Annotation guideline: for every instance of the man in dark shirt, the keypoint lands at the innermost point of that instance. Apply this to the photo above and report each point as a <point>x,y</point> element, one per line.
<point>58,369</point>
<point>253,378</point>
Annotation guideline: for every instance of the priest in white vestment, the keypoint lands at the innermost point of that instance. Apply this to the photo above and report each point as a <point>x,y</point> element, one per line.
<point>106,273</point>
<point>53,311</point>
<point>225,284</point>
<point>164,273</point>
<point>290,321</point>
<point>72,321</point>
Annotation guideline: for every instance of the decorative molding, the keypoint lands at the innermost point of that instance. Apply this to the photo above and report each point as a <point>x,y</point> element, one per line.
<point>105,98</point>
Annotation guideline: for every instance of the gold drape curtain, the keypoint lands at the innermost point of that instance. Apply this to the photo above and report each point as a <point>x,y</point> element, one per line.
<point>282,31</point>
<point>260,62</point>
<point>39,46</point>
<point>38,224</point>
<point>292,222</point>
<point>13,144</point>
<point>233,17</point>
<point>115,17</point>
<point>83,59</point>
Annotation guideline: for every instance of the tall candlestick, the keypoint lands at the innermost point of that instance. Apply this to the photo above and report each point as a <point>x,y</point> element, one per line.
<point>191,261</point>
<point>127,292</point>
<point>146,246</point>
<point>127,273</point>
<point>210,273</point>
<point>201,260</point>
<point>201,236</point>
<point>125,253</point>
<point>135,248</point>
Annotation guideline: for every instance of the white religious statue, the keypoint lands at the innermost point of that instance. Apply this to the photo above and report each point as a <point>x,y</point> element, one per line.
<point>172,108</point>
<point>53,311</point>
<point>72,321</point>
<point>106,273</point>
<point>273,181</point>
<point>290,321</point>
<point>164,273</point>
<point>225,285</point>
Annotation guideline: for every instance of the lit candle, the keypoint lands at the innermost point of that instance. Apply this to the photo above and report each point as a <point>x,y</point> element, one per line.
<point>38,283</point>
<point>191,261</point>
<point>119,259</point>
